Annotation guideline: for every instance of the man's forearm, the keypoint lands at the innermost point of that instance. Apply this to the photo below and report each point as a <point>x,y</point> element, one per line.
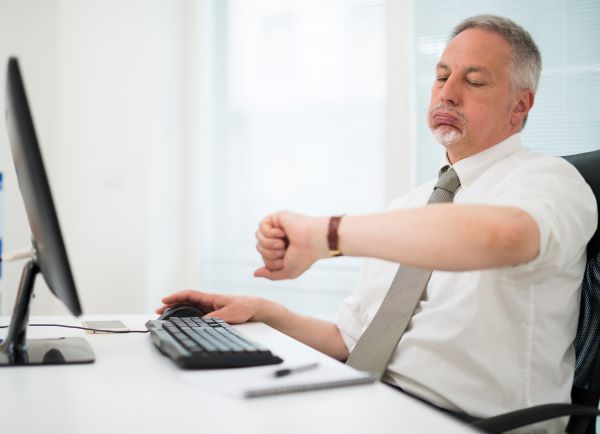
<point>444,237</point>
<point>321,335</point>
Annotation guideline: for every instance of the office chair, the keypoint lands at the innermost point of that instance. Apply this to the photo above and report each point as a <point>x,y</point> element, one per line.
<point>586,386</point>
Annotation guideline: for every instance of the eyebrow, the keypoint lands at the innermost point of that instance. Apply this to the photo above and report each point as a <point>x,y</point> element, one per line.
<point>466,70</point>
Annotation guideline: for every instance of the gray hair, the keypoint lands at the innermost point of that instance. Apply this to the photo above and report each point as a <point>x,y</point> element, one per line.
<point>526,61</point>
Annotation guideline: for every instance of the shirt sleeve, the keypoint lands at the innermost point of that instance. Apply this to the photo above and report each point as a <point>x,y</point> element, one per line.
<point>562,204</point>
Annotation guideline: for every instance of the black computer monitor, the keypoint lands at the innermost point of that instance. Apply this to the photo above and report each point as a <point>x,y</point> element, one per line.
<point>49,256</point>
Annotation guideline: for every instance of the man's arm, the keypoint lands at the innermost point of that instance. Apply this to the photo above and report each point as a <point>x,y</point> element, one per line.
<point>445,237</point>
<point>439,236</point>
<point>316,333</point>
<point>321,335</point>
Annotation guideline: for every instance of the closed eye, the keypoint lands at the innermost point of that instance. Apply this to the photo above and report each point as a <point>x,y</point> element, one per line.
<point>475,83</point>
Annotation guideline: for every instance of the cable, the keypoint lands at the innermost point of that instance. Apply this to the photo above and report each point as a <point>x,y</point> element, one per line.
<point>83,328</point>
<point>18,255</point>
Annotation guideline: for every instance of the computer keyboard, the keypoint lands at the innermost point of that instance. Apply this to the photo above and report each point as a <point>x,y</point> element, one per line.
<point>207,343</point>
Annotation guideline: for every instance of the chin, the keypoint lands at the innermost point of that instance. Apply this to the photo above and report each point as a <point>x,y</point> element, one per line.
<point>446,136</point>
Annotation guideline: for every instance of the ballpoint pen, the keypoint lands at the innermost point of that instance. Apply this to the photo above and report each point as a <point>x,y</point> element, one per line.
<point>287,371</point>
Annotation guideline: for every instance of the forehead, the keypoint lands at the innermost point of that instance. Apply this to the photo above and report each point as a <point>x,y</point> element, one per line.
<point>476,48</point>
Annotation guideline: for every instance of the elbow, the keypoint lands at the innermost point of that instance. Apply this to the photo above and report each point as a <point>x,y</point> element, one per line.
<point>342,353</point>
<point>515,240</point>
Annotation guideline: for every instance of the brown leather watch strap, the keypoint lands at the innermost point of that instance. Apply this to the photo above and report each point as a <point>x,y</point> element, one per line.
<point>332,236</point>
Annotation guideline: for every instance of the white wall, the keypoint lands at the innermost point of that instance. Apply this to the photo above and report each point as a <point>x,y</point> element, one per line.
<point>105,80</point>
<point>400,115</point>
<point>118,125</point>
<point>28,29</point>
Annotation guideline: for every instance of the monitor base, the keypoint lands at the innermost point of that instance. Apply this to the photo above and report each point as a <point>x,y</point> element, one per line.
<point>55,351</point>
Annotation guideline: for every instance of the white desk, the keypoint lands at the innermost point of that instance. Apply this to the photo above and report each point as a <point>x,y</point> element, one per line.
<point>132,388</point>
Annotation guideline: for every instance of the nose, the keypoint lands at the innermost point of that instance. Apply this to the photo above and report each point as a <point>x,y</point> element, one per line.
<point>450,91</point>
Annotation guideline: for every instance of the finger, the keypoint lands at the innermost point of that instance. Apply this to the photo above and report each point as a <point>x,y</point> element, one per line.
<point>228,314</point>
<point>270,254</point>
<point>161,309</point>
<point>221,313</point>
<point>270,242</point>
<point>190,296</point>
<point>215,314</point>
<point>176,296</point>
<point>262,272</point>
<point>271,274</point>
<point>277,264</point>
<point>266,227</point>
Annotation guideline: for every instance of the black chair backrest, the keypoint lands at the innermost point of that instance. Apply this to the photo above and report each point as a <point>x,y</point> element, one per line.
<point>586,387</point>
<point>588,164</point>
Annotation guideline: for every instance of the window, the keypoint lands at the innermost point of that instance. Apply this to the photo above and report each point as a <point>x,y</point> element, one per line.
<point>297,93</point>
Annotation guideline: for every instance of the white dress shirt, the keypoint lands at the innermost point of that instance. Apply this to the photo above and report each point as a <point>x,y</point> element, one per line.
<point>490,341</point>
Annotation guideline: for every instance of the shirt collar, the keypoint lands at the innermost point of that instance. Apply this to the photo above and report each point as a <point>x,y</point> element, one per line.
<point>469,169</point>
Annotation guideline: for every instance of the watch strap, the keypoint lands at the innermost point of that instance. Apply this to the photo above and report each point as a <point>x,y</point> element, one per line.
<point>332,236</point>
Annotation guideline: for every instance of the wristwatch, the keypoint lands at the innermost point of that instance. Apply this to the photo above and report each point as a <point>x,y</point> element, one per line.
<point>332,236</point>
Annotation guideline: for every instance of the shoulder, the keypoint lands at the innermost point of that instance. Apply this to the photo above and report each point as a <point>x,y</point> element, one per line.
<point>556,195</point>
<point>526,161</point>
<point>527,171</point>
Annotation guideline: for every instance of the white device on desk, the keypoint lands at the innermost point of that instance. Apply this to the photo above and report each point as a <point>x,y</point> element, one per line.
<point>109,326</point>
<point>48,256</point>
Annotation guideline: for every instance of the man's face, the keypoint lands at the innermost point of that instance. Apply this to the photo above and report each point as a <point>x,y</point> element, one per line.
<point>472,104</point>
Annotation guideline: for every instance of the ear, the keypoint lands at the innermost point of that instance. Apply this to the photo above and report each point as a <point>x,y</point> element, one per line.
<point>524,103</point>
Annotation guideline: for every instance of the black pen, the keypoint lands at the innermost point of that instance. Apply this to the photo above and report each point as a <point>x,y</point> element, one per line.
<point>288,371</point>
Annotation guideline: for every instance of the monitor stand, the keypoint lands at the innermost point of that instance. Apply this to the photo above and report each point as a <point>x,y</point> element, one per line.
<point>16,350</point>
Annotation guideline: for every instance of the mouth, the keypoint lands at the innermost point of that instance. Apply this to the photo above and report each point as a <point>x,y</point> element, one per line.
<point>440,119</point>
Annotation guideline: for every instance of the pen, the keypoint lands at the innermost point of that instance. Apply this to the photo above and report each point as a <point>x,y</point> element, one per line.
<point>288,371</point>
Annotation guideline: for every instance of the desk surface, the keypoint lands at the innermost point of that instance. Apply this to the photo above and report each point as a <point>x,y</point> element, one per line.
<point>132,388</point>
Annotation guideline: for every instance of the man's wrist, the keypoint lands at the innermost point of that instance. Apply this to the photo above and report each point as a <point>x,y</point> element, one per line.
<point>318,228</point>
<point>272,314</point>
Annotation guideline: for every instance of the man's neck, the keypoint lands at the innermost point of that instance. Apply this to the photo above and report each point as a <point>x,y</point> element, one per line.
<point>460,151</point>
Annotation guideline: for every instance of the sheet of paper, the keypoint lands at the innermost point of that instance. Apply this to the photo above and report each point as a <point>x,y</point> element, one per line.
<point>246,382</point>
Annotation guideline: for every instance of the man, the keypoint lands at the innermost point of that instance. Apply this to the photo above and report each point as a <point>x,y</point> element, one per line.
<point>492,330</point>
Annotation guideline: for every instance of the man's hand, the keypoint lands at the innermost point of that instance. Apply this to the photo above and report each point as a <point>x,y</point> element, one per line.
<point>290,243</point>
<point>233,309</point>
<point>317,333</point>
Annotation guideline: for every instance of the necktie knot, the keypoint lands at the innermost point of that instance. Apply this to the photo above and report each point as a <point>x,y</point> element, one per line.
<point>447,184</point>
<point>448,180</point>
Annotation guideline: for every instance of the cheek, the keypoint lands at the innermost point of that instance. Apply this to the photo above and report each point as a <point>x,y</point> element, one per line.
<point>483,111</point>
<point>503,114</point>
